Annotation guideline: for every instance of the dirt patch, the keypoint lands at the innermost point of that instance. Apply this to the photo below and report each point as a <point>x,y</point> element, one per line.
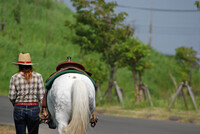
<point>7,129</point>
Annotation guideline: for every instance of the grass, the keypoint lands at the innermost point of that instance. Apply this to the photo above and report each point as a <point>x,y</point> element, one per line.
<point>42,33</point>
<point>186,116</point>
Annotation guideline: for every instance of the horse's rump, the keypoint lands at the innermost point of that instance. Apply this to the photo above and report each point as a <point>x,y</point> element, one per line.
<point>71,100</point>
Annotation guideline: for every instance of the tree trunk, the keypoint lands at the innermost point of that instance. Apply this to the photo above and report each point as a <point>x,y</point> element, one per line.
<point>110,84</point>
<point>115,73</point>
<point>3,24</point>
<point>190,74</point>
<point>113,82</point>
<point>135,85</point>
<point>140,87</point>
<point>98,90</point>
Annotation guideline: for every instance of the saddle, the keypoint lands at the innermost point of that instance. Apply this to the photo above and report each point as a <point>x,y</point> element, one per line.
<point>70,64</point>
<point>62,68</point>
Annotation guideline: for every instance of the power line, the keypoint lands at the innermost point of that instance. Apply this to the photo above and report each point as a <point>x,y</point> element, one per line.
<point>168,30</point>
<point>158,10</point>
<point>180,33</point>
<point>174,27</point>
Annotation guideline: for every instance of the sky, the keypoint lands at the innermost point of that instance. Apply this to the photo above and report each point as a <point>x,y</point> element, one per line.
<point>175,23</point>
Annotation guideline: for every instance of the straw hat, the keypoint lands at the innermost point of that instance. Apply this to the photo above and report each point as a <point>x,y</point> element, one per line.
<point>24,59</point>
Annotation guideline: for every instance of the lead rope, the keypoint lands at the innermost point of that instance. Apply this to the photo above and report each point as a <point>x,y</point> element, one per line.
<point>39,122</point>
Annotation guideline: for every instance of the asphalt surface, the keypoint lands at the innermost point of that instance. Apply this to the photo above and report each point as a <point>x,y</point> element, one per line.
<point>111,124</point>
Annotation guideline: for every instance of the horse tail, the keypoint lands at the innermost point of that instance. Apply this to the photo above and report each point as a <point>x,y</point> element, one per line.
<point>80,109</point>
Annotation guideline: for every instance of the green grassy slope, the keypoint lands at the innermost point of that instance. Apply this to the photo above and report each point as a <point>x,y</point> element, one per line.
<point>41,31</point>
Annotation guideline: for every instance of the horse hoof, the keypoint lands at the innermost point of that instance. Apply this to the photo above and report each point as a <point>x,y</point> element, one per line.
<point>51,124</point>
<point>93,124</point>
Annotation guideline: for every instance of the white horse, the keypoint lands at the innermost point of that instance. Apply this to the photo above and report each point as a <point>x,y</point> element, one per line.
<point>71,102</point>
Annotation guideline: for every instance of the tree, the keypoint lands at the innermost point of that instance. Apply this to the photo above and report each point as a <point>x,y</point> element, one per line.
<point>98,70</point>
<point>133,56</point>
<point>197,4</point>
<point>98,28</point>
<point>186,58</point>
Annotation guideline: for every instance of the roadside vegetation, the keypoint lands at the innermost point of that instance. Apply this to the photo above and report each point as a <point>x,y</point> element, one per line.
<point>46,30</point>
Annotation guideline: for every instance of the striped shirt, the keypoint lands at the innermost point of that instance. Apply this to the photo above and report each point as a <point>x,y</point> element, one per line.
<point>22,91</point>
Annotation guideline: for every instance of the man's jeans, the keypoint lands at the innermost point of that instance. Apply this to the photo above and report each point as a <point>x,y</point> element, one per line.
<point>26,116</point>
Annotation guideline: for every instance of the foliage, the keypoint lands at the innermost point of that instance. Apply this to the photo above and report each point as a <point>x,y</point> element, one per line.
<point>98,68</point>
<point>133,53</point>
<point>99,29</point>
<point>197,4</point>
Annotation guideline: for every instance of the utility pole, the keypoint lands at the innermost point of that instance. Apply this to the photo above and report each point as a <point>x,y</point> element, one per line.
<point>150,31</point>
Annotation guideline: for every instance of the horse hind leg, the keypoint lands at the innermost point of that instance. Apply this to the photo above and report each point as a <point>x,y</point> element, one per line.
<point>61,125</point>
<point>62,122</point>
<point>80,109</point>
<point>93,118</point>
<point>51,109</point>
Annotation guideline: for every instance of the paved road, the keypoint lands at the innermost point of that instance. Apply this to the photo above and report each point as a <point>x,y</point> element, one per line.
<point>113,125</point>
